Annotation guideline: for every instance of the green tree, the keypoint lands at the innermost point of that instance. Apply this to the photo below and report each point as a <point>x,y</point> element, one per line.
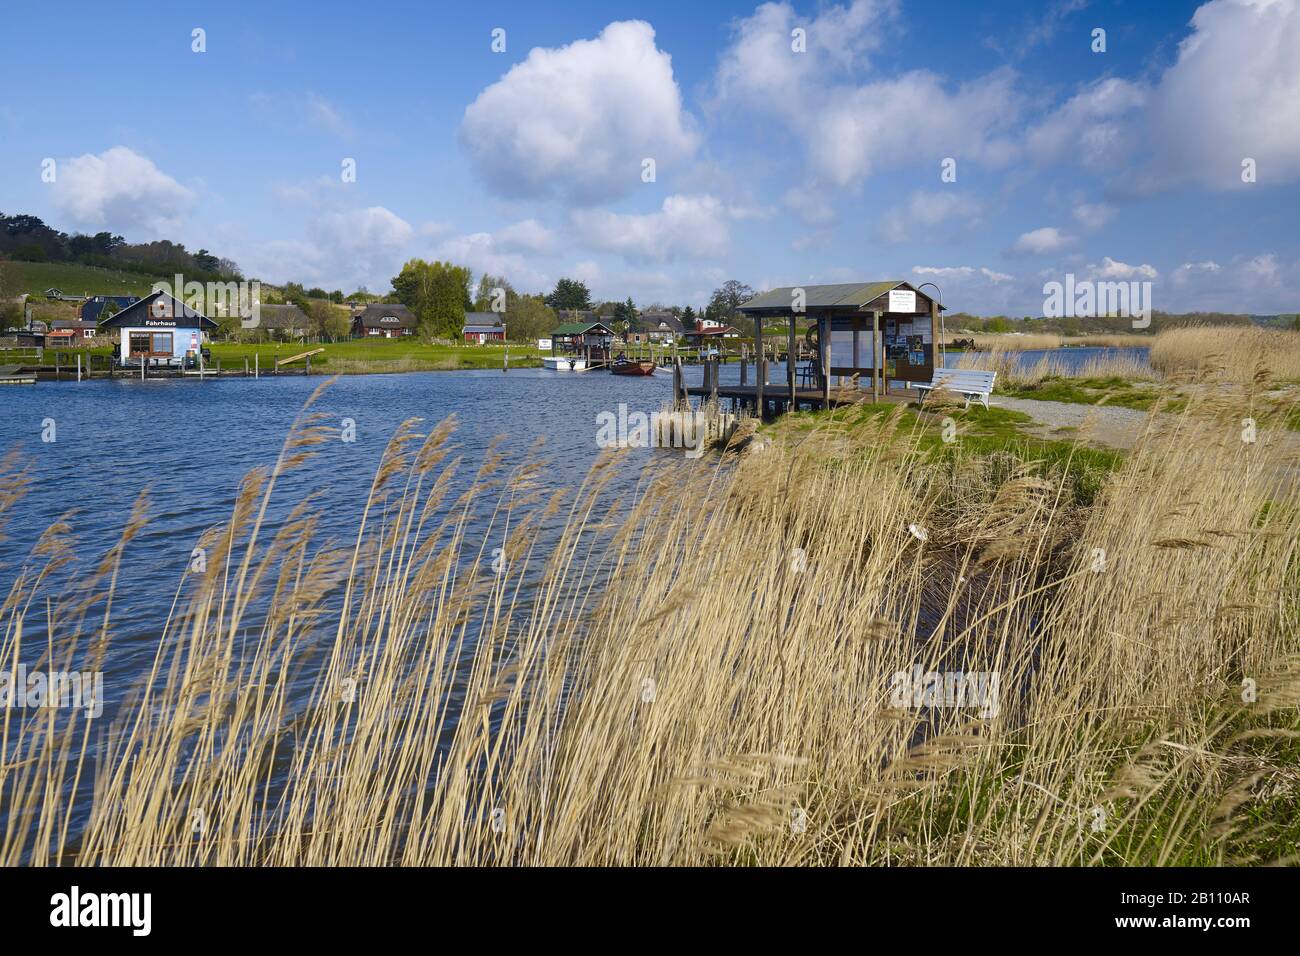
<point>726,299</point>
<point>329,321</point>
<point>228,326</point>
<point>485,294</point>
<point>437,292</point>
<point>530,318</point>
<point>569,294</point>
<point>625,315</point>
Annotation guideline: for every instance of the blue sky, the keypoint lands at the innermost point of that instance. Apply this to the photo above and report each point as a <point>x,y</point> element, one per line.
<point>772,165</point>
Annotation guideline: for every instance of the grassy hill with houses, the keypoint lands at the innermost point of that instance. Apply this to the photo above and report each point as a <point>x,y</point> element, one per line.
<point>74,279</point>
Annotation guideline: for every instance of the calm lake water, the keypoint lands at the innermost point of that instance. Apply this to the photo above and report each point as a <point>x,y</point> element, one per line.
<point>1076,358</point>
<point>192,442</point>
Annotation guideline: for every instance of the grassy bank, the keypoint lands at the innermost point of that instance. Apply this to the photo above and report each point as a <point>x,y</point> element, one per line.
<point>733,695</point>
<point>354,357</point>
<point>357,356</point>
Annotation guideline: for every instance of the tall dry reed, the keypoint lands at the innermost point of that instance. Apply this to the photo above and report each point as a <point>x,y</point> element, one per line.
<point>714,684</point>
<point>1014,371</point>
<point>1230,353</point>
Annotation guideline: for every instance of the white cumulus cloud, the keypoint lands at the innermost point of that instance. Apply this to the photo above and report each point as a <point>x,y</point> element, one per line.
<point>1110,269</point>
<point>1229,96</point>
<point>684,226</point>
<point>819,97</point>
<point>1040,241</point>
<point>121,191</point>
<point>576,122</point>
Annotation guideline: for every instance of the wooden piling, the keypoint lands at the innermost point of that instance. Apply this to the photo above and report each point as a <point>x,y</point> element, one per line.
<point>824,358</point>
<point>791,356</point>
<point>877,361</point>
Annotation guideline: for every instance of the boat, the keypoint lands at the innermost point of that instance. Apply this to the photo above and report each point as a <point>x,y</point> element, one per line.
<point>562,363</point>
<point>626,366</point>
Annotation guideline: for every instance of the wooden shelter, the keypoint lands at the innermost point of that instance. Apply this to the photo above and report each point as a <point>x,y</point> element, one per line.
<point>886,331</point>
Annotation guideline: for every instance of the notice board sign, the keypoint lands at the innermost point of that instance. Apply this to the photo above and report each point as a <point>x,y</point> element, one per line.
<point>902,300</point>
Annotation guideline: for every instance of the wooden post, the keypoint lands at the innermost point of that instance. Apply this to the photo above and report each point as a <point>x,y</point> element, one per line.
<point>78,366</point>
<point>713,381</point>
<point>744,369</point>
<point>759,377</point>
<point>857,358</point>
<point>56,366</point>
<point>824,357</point>
<point>257,358</point>
<point>245,366</point>
<point>878,356</point>
<point>308,364</point>
<point>791,356</point>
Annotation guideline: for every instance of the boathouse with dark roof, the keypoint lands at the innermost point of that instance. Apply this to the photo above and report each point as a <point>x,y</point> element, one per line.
<point>158,330</point>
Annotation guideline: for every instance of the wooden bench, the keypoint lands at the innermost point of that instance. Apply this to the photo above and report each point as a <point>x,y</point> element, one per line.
<point>970,383</point>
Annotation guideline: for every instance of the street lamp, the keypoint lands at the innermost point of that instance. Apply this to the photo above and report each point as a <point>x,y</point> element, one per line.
<point>943,355</point>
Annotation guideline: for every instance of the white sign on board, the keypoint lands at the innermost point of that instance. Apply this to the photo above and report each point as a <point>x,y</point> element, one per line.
<point>544,344</point>
<point>902,300</point>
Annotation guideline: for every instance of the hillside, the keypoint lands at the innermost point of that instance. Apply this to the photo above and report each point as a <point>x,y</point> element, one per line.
<point>74,279</point>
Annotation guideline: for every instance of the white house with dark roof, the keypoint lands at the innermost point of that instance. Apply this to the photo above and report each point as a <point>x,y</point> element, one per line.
<point>387,320</point>
<point>157,330</point>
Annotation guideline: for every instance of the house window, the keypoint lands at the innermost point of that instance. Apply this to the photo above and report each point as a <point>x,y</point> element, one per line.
<point>151,343</point>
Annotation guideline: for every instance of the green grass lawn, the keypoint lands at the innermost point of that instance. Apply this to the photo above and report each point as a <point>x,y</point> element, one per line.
<point>385,355</point>
<point>980,433</point>
<point>1089,391</point>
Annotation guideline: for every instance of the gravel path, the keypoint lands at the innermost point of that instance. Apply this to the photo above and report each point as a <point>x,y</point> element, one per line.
<point>1104,424</point>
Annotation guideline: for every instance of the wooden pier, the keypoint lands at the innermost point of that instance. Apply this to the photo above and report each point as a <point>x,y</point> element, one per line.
<point>84,366</point>
<point>16,375</point>
<point>777,400</point>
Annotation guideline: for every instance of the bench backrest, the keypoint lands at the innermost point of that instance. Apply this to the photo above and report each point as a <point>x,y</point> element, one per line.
<point>964,379</point>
